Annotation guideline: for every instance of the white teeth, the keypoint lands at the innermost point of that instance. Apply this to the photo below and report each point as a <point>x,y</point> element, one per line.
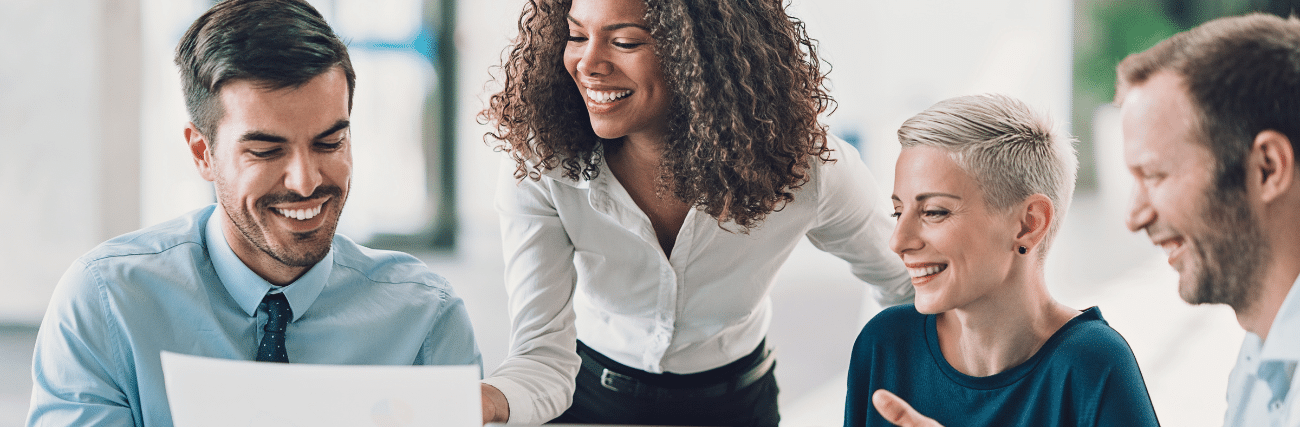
<point>925,271</point>
<point>1169,247</point>
<point>602,97</point>
<point>300,214</point>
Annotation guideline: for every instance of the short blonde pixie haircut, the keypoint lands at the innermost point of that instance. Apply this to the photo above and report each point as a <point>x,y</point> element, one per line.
<point>1010,150</point>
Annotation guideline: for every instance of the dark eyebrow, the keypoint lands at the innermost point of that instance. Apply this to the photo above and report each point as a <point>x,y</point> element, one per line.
<point>613,27</point>
<point>262,136</point>
<point>266,137</point>
<point>338,126</point>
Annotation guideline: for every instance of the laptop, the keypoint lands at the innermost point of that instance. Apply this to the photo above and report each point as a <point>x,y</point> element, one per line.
<point>205,391</point>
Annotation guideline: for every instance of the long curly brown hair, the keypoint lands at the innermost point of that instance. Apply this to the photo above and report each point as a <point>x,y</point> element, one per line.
<point>747,89</point>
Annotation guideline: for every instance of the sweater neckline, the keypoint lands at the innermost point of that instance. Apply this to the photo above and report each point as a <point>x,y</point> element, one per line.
<point>1013,374</point>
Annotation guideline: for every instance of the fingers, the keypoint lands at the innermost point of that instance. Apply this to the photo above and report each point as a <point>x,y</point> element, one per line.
<point>895,410</point>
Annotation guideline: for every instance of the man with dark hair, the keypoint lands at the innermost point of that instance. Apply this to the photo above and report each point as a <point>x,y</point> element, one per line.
<point>260,275</point>
<point>1211,119</point>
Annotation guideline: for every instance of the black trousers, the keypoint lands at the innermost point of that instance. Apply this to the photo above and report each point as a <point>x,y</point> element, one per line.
<point>593,403</point>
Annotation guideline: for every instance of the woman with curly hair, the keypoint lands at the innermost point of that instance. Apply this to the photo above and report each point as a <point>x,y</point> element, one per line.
<point>665,158</point>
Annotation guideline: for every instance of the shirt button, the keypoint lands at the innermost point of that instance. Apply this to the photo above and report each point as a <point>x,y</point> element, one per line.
<point>1275,405</point>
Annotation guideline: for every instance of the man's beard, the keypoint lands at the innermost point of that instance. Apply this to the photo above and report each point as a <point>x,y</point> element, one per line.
<point>304,249</point>
<point>1230,253</point>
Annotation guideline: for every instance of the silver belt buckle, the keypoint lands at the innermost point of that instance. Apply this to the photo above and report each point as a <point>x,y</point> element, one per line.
<point>607,379</point>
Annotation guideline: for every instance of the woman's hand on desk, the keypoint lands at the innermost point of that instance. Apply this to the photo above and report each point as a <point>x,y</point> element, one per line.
<point>495,407</point>
<point>895,410</point>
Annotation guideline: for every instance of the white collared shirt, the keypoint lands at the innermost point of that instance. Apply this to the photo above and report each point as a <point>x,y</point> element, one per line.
<point>1261,389</point>
<point>583,262</point>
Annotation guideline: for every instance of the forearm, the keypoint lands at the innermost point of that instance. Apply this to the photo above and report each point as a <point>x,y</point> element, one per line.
<point>536,379</point>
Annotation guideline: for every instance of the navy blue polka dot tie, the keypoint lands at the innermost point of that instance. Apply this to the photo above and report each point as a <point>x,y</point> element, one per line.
<point>272,347</point>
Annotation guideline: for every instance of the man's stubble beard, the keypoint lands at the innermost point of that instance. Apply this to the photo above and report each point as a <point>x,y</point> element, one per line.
<point>306,249</point>
<point>1230,254</point>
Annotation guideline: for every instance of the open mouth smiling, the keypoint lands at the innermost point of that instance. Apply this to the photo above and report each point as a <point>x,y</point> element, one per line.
<point>607,96</point>
<point>301,214</point>
<point>1172,247</point>
<point>925,271</point>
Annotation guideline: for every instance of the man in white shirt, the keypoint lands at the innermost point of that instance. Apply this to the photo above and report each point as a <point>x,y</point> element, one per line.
<point>1211,119</point>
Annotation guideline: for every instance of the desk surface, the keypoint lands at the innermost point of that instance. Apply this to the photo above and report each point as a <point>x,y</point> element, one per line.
<point>501,425</point>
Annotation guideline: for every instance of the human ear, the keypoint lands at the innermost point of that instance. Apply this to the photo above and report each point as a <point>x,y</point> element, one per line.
<point>1035,215</point>
<point>1271,154</point>
<point>199,151</point>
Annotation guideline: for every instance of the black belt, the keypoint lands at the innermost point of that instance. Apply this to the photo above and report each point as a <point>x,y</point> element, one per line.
<point>627,384</point>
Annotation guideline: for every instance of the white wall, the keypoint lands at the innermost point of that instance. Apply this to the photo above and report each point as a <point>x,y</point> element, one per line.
<point>484,29</point>
<point>892,59</point>
<point>69,94</point>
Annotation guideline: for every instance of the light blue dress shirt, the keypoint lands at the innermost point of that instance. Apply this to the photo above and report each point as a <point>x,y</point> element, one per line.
<point>178,287</point>
<point>1262,390</point>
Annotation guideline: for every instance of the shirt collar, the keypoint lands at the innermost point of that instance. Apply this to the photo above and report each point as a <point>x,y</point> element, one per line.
<point>1282,342</point>
<point>248,288</point>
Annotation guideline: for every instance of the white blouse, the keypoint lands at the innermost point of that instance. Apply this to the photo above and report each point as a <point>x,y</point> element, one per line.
<point>583,262</point>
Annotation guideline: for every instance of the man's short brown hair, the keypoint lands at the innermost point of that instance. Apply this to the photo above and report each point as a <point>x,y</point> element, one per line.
<point>275,43</point>
<point>1242,74</point>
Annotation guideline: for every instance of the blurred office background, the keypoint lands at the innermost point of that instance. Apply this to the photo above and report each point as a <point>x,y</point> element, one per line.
<point>90,147</point>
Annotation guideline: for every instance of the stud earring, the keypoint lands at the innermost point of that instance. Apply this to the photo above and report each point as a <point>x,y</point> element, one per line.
<point>1023,250</point>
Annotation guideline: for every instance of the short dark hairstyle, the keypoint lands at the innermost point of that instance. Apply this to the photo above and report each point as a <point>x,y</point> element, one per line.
<point>1242,74</point>
<point>743,126</point>
<point>275,43</point>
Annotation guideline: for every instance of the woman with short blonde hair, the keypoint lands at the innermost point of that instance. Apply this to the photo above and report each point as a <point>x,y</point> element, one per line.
<point>980,189</point>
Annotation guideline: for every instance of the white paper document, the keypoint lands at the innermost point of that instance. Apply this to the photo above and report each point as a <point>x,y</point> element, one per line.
<point>205,391</point>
